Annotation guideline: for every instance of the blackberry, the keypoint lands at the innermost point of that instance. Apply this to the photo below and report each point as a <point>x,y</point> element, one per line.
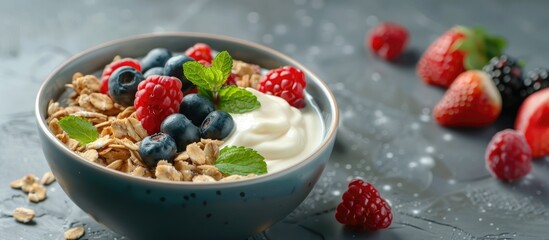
<point>534,81</point>
<point>506,73</point>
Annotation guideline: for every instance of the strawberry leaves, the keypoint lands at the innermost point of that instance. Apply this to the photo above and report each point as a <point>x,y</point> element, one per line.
<point>478,46</point>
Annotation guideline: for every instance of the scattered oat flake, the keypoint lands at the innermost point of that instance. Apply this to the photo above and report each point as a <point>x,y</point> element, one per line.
<point>74,233</point>
<point>47,178</point>
<point>17,184</point>
<point>23,215</point>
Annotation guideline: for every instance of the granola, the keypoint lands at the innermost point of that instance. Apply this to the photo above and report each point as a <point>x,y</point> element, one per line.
<point>74,233</point>
<point>120,134</point>
<point>23,215</point>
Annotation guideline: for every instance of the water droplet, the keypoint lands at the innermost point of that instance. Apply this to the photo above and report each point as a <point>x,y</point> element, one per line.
<point>451,181</point>
<point>280,29</point>
<point>372,20</point>
<point>447,137</point>
<point>376,77</point>
<point>430,149</point>
<point>412,164</point>
<point>267,38</point>
<point>387,187</point>
<point>480,219</point>
<point>336,193</point>
<point>253,17</point>
<point>348,166</point>
<point>389,155</point>
<point>415,211</point>
<point>348,49</point>
<point>427,161</point>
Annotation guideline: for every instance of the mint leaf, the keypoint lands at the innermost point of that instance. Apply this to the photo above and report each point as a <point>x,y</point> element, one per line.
<point>233,99</point>
<point>197,74</point>
<point>205,92</point>
<point>79,129</point>
<point>224,63</point>
<point>241,161</point>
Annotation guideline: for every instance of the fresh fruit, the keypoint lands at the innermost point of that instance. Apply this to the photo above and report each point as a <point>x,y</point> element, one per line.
<point>388,40</point>
<point>155,58</point>
<point>286,82</point>
<point>471,101</point>
<point>508,156</point>
<point>123,84</point>
<point>181,129</point>
<point>174,68</point>
<point>109,69</point>
<point>217,125</point>
<point>457,50</point>
<point>533,121</point>
<point>200,51</point>
<point>534,81</point>
<point>363,208</point>
<point>196,108</point>
<point>231,80</point>
<point>156,147</point>
<point>154,71</point>
<point>506,73</point>
<point>157,97</point>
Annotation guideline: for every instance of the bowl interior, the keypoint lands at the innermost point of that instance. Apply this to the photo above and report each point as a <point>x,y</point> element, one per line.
<point>95,59</point>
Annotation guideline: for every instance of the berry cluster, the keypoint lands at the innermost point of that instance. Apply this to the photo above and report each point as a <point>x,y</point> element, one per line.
<point>167,103</point>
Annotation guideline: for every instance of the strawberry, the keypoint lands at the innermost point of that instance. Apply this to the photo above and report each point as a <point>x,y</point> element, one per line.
<point>457,50</point>
<point>471,101</point>
<point>533,121</point>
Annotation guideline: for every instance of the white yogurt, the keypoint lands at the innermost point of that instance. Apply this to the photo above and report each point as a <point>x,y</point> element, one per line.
<point>284,135</point>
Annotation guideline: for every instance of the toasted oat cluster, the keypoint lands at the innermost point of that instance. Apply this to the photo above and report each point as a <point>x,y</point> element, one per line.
<point>120,133</point>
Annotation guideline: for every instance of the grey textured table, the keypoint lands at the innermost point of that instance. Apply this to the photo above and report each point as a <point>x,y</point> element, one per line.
<point>434,177</point>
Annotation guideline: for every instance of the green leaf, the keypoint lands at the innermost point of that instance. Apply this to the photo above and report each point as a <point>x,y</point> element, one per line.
<point>197,74</point>
<point>79,129</point>
<point>224,63</point>
<point>205,92</point>
<point>474,61</point>
<point>233,99</point>
<point>241,161</point>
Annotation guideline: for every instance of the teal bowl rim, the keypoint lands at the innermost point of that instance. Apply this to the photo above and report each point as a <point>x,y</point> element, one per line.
<point>330,135</point>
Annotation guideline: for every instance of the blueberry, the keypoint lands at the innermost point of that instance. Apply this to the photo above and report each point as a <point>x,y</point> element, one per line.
<point>196,108</point>
<point>155,58</point>
<point>174,68</point>
<point>154,71</point>
<point>217,125</point>
<point>123,84</point>
<point>156,147</point>
<point>181,129</point>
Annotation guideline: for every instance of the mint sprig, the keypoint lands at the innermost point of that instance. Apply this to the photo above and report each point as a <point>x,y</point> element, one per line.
<point>210,80</point>
<point>79,129</point>
<point>241,161</point>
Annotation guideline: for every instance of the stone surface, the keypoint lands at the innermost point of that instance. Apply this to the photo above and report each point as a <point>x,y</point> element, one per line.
<point>434,177</point>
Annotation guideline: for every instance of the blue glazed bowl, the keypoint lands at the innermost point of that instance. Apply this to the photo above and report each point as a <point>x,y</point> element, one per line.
<point>153,209</point>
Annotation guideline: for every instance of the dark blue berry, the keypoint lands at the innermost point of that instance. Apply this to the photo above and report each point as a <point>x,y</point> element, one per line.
<point>217,125</point>
<point>174,68</point>
<point>156,147</point>
<point>154,71</point>
<point>181,129</point>
<point>155,58</point>
<point>196,108</point>
<point>123,84</point>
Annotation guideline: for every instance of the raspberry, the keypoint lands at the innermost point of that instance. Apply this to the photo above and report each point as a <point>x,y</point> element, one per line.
<point>200,51</point>
<point>157,97</point>
<point>109,69</point>
<point>286,82</point>
<point>231,80</point>
<point>508,156</point>
<point>388,40</point>
<point>363,208</point>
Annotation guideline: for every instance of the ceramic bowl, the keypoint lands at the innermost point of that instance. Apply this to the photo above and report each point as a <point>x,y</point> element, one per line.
<point>142,208</point>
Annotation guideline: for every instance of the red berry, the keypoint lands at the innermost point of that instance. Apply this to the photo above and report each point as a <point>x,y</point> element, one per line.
<point>109,69</point>
<point>231,80</point>
<point>508,156</point>
<point>388,40</point>
<point>363,208</point>
<point>200,51</point>
<point>157,97</point>
<point>286,82</point>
